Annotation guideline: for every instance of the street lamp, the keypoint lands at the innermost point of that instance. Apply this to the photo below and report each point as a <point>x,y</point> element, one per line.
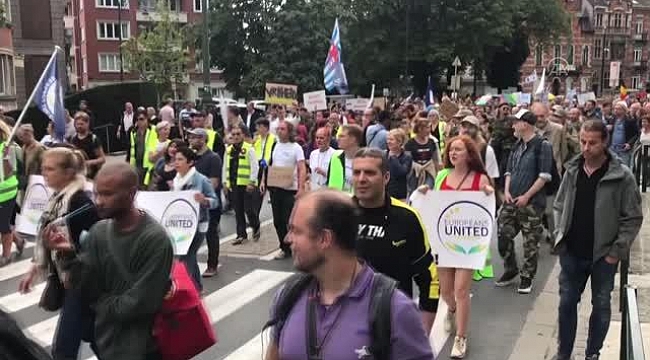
<point>119,22</point>
<point>602,64</point>
<point>207,93</point>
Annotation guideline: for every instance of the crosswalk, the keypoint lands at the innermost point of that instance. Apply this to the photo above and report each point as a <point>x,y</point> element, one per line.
<point>237,302</point>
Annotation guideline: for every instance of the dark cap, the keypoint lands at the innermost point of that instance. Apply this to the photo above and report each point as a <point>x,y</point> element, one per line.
<point>527,116</point>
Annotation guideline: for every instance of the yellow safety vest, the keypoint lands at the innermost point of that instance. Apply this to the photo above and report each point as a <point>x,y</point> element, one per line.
<point>147,176</point>
<point>8,186</point>
<point>244,168</point>
<point>264,153</point>
<point>150,143</point>
<point>212,135</point>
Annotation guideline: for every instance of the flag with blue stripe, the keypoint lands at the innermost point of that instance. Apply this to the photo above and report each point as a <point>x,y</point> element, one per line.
<point>334,71</point>
<point>48,97</point>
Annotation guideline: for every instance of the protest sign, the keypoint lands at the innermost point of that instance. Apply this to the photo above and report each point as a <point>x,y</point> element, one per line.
<point>584,97</point>
<point>315,100</point>
<point>37,196</point>
<point>176,211</point>
<point>281,94</point>
<point>356,105</point>
<point>524,98</point>
<point>459,225</point>
<point>448,109</point>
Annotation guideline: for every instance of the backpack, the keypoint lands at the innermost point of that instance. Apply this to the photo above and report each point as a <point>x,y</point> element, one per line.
<point>379,312</point>
<point>551,187</point>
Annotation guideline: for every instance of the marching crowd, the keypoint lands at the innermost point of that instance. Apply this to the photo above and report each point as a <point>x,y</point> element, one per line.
<point>560,173</point>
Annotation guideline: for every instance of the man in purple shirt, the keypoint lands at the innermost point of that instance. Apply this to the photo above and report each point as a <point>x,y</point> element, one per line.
<point>341,290</point>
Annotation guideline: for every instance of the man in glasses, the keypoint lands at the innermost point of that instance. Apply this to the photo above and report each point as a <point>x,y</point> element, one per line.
<point>142,139</point>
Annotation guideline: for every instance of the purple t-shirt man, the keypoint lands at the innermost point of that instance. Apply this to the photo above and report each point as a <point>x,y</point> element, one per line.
<point>349,328</point>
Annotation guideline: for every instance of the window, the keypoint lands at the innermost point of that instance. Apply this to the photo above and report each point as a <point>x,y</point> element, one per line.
<point>639,27</point>
<point>112,3</point>
<point>198,5</point>
<point>606,79</point>
<point>569,54</point>
<point>598,48</point>
<point>7,7</point>
<point>109,62</point>
<point>557,53</point>
<point>599,19</point>
<point>538,55</point>
<point>84,70</point>
<point>83,34</point>
<point>112,30</point>
<point>585,55</point>
<point>636,82</point>
<point>637,54</point>
<point>617,21</point>
<point>7,80</point>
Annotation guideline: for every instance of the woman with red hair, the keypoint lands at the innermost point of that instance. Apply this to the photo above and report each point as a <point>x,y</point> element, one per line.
<point>464,171</point>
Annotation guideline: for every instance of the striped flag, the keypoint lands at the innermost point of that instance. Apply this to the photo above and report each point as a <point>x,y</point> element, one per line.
<point>334,71</point>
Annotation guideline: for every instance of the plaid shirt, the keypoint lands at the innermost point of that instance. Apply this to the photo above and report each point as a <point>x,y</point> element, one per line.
<point>524,168</point>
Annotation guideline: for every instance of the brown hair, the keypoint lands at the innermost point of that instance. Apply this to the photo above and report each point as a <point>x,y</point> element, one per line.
<point>475,163</point>
<point>355,131</point>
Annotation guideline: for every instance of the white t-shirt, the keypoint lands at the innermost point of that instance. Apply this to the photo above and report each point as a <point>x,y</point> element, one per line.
<point>288,155</point>
<point>273,126</point>
<point>348,175</point>
<point>319,159</point>
<point>491,165</point>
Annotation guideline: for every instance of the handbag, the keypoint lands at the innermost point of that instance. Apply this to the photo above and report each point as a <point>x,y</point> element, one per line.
<point>54,292</point>
<point>181,328</point>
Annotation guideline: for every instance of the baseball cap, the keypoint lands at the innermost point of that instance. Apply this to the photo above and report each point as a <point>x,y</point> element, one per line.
<point>527,116</point>
<point>471,120</point>
<point>198,132</point>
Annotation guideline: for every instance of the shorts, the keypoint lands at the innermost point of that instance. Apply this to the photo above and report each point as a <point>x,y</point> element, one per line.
<point>6,213</point>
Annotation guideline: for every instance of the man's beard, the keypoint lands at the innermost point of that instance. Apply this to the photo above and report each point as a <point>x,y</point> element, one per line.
<point>310,267</point>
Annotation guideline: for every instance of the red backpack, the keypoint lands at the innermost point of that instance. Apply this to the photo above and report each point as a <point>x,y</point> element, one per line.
<point>182,328</point>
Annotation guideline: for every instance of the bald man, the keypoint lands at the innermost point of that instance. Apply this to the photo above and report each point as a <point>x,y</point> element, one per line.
<point>123,267</point>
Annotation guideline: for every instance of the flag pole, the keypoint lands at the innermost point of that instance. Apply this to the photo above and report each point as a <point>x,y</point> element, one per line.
<point>31,97</point>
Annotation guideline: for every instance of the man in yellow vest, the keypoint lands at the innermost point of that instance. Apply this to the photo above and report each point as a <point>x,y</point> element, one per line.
<point>142,138</point>
<point>240,170</point>
<point>263,144</point>
<point>340,167</point>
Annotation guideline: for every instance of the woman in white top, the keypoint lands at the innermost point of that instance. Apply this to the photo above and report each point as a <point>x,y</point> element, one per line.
<point>287,157</point>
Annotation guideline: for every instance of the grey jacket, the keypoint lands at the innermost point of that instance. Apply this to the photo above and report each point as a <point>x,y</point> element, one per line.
<point>618,212</point>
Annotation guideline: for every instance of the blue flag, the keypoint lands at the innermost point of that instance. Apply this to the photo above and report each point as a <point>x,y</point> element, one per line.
<point>48,96</point>
<point>334,72</point>
<point>429,99</point>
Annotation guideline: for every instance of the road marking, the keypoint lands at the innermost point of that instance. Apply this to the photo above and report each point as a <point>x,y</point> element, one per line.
<point>235,295</point>
<point>253,349</point>
<point>16,268</point>
<point>17,301</point>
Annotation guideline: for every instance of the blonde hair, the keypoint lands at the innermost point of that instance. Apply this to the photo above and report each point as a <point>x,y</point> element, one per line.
<point>5,130</point>
<point>72,159</point>
<point>399,135</point>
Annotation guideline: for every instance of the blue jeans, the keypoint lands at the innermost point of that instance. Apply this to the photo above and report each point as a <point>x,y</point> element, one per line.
<point>191,263</point>
<point>573,279</point>
<point>76,323</point>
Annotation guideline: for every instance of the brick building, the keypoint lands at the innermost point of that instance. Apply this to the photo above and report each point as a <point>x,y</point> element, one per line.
<point>7,74</point>
<point>603,31</point>
<point>95,47</point>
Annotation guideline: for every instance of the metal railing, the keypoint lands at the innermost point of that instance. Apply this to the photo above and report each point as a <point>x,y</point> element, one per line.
<point>641,166</point>
<point>631,337</point>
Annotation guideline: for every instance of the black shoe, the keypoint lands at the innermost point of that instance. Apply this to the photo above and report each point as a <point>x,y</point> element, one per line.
<point>239,241</point>
<point>508,278</point>
<point>525,285</point>
<point>256,235</point>
<point>592,357</point>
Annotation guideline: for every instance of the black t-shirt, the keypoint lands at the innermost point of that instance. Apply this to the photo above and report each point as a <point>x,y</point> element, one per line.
<point>422,153</point>
<point>580,238</point>
<point>89,145</point>
<point>209,164</point>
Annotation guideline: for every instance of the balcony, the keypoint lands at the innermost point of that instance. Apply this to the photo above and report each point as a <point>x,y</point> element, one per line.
<point>643,37</point>
<point>147,11</point>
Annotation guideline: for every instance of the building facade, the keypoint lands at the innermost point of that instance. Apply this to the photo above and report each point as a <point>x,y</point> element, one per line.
<point>7,72</point>
<point>603,31</point>
<point>97,27</point>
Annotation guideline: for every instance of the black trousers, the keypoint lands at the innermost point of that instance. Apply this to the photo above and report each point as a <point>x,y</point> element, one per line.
<point>245,205</point>
<point>282,201</point>
<point>212,238</point>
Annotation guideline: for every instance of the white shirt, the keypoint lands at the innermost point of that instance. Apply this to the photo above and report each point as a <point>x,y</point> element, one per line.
<point>491,165</point>
<point>273,126</point>
<point>348,175</point>
<point>288,155</point>
<point>319,159</point>
<point>127,121</point>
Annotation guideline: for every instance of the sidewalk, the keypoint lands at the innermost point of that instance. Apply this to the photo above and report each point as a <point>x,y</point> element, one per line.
<point>538,337</point>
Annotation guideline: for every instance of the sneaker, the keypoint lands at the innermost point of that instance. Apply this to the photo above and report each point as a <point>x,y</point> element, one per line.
<point>460,348</point>
<point>560,357</point>
<point>239,241</point>
<point>450,321</point>
<point>508,278</point>
<point>525,285</point>
<point>282,255</point>
<point>592,357</point>
<point>210,272</point>
<point>256,235</point>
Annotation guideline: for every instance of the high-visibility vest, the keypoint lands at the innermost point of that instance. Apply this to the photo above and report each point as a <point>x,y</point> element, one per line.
<point>441,132</point>
<point>150,143</point>
<point>264,153</point>
<point>8,186</point>
<point>336,172</point>
<point>147,176</point>
<point>212,135</point>
<point>244,167</point>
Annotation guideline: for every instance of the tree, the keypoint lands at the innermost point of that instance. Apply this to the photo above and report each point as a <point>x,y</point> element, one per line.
<point>159,53</point>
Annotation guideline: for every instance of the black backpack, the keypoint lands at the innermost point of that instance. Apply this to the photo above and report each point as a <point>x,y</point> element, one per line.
<point>551,187</point>
<point>383,288</point>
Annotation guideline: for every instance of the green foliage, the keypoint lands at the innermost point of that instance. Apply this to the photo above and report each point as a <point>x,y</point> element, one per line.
<point>159,53</point>
<point>385,42</point>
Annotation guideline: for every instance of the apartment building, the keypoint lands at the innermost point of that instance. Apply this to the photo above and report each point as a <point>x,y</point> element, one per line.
<point>97,27</point>
<point>7,73</point>
<point>603,31</point>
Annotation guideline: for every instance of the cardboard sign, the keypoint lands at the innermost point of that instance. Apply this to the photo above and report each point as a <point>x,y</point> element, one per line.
<point>459,224</point>
<point>315,100</point>
<point>280,177</point>
<point>356,105</point>
<point>448,109</point>
<point>280,94</point>
<point>584,97</point>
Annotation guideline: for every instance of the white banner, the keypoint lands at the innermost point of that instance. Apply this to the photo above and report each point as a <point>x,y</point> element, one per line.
<point>177,211</point>
<point>357,105</point>
<point>315,100</point>
<point>614,73</point>
<point>459,225</point>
